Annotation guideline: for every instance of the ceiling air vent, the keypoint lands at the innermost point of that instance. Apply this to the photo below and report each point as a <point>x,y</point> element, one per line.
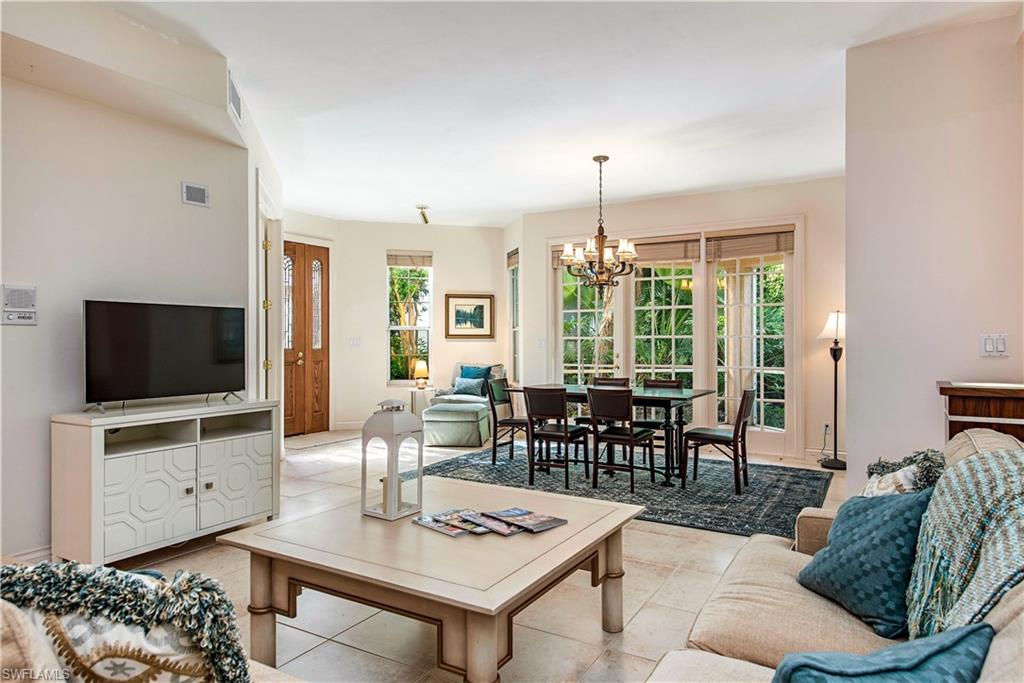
<point>234,99</point>
<point>197,195</point>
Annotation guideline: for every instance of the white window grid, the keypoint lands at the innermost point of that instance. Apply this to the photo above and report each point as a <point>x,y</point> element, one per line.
<point>752,353</point>
<point>663,321</point>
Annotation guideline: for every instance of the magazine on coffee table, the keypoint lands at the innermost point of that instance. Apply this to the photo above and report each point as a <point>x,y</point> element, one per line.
<point>495,525</point>
<point>531,521</point>
<point>431,523</point>
<point>454,517</point>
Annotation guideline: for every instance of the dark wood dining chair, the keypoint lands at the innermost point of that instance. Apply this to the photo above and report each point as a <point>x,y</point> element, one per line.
<point>510,425</point>
<point>611,414</point>
<point>649,422</point>
<point>547,423</point>
<point>734,439</point>
<point>622,382</point>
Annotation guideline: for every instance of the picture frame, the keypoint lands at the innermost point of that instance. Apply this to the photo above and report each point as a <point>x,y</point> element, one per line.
<point>469,316</point>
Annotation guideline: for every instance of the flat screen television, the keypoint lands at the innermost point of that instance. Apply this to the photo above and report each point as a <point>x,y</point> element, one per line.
<point>138,350</point>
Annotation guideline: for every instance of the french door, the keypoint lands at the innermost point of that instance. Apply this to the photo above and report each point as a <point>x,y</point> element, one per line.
<point>305,328</point>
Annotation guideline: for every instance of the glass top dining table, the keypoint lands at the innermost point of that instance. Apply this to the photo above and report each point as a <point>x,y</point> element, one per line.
<point>672,401</point>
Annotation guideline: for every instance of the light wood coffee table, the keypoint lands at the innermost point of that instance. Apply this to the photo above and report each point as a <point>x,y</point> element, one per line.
<point>470,587</point>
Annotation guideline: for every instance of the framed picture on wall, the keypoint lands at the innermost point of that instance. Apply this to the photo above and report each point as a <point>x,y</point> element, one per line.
<point>469,316</point>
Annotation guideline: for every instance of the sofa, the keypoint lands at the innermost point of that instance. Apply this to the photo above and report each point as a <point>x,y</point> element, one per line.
<point>446,395</point>
<point>758,613</point>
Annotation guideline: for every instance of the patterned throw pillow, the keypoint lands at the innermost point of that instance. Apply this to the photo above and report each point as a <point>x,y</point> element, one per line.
<point>473,387</point>
<point>954,655</point>
<point>475,371</point>
<point>110,625</point>
<point>900,481</point>
<point>930,465</point>
<point>867,563</point>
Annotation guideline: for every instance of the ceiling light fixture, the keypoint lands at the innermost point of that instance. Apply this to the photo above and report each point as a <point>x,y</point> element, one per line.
<point>595,264</point>
<point>423,213</point>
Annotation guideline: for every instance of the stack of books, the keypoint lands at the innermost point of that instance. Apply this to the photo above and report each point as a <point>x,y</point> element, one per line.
<point>456,522</point>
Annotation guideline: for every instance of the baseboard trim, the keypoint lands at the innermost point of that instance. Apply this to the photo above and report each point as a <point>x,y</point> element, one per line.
<point>816,453</point>
<point>33,556</point>
<point>348,425</point>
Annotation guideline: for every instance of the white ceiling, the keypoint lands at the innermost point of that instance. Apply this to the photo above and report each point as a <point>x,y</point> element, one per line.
<point>487,111</point>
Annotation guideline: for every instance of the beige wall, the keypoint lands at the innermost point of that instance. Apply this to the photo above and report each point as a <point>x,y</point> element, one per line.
<point>465,260</point>
<point>820,202</point>
<point>92,209</point>
<point>934,234</point>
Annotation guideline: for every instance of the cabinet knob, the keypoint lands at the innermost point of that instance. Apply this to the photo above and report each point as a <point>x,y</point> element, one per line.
<point>189,490</point>
<point>208,485</point>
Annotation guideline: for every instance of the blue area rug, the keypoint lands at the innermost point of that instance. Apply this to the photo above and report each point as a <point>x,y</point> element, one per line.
<point>769,505</point>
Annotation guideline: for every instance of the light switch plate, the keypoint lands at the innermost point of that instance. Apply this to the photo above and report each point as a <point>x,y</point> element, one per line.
<point>994,345</point>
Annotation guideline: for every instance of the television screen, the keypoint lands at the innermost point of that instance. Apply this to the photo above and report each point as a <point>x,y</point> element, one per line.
<point>135,350</point>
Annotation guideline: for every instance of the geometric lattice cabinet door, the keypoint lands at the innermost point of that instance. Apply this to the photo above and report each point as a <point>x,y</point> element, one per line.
<point>236,479</point>
<point>148,498</point>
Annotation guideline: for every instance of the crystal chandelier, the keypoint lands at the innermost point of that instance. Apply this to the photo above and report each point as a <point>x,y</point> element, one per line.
<point>597,265</point>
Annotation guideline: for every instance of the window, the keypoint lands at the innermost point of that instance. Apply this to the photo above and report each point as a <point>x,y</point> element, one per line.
<point>409,301</point>
<point>588,344</point>
<point>751,338</point>
<point>513,310</point>
<point>663,322</point>
<point>288,267</point>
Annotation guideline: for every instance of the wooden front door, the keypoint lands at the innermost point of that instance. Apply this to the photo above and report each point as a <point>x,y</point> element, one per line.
<point>306,338</point>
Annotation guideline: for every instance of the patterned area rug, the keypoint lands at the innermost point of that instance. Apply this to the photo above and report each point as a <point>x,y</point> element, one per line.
<point>768,506</point>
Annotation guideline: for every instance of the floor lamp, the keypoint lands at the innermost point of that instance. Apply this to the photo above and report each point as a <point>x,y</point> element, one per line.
<point>834,329</point>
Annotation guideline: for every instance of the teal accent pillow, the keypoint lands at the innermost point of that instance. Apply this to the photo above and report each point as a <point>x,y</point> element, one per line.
<point>473,387</point>
<point>866,565</point>
<point>954,655</point>
<point>476,372</point>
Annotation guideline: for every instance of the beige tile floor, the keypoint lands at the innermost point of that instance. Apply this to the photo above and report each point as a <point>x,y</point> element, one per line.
<point>670,571</point>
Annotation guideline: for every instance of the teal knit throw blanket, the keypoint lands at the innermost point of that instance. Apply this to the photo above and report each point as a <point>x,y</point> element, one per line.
<point>193,603</point>
<point>970,551</point>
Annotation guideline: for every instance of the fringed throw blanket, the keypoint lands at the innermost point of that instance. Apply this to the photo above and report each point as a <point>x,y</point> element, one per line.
<point>193,604</point>
<point>970,551</point>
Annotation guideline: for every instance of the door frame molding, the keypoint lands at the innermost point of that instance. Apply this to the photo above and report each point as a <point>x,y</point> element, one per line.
<point>795,446</point>
<point>333,332</point>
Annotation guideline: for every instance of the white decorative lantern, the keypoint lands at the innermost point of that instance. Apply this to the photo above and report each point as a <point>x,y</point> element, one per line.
<point>401,488</point>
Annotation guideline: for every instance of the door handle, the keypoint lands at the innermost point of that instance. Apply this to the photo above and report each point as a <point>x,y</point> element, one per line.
<point>300,362</point>
<point>300,354</point>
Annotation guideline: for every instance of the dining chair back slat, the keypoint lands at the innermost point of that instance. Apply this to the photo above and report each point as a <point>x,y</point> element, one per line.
<point>612,405</point>
<point>611,382</point>
<point>739,428</point>
<point>544,403</point>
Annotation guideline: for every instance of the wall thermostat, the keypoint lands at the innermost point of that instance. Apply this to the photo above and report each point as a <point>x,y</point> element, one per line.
<point>19,305</point>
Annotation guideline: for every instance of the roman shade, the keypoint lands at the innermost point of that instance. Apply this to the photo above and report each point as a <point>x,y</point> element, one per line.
<point>512,259</point>
<point>777,239</point>
<point>410,259</point>
<point>677,248</point>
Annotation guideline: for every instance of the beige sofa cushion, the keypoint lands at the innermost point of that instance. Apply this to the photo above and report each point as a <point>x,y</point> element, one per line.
<point>23,647</point>
<point>759,613</point>
<point>972,441</point>
<point>694,666</point>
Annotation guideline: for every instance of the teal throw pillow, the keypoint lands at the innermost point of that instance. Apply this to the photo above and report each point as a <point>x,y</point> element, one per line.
<point>867,563</point>
<point>476,372</point>
<point>473,387</point>
<point>956,655</point>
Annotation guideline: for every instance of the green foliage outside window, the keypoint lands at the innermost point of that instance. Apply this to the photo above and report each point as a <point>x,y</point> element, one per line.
<point>409,319</point>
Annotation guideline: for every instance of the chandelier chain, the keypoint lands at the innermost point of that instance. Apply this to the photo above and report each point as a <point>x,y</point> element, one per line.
<point>600,195</point>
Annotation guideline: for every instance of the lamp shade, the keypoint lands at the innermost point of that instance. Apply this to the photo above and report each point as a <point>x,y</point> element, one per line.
<point>835,326</point>
<point>421,371</point>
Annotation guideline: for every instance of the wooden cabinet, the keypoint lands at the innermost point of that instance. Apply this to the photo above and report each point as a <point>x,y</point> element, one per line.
<point>134,480</point>
<point>994,405</point>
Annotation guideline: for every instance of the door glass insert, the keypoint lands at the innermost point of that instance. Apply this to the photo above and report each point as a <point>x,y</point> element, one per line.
<point>288,301</point>
<point>317,277</point>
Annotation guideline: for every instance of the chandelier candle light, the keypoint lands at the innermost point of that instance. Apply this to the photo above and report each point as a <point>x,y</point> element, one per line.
<point>596,264</point>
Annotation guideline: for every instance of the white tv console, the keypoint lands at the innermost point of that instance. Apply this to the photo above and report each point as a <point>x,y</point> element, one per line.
<point>132,480</point>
